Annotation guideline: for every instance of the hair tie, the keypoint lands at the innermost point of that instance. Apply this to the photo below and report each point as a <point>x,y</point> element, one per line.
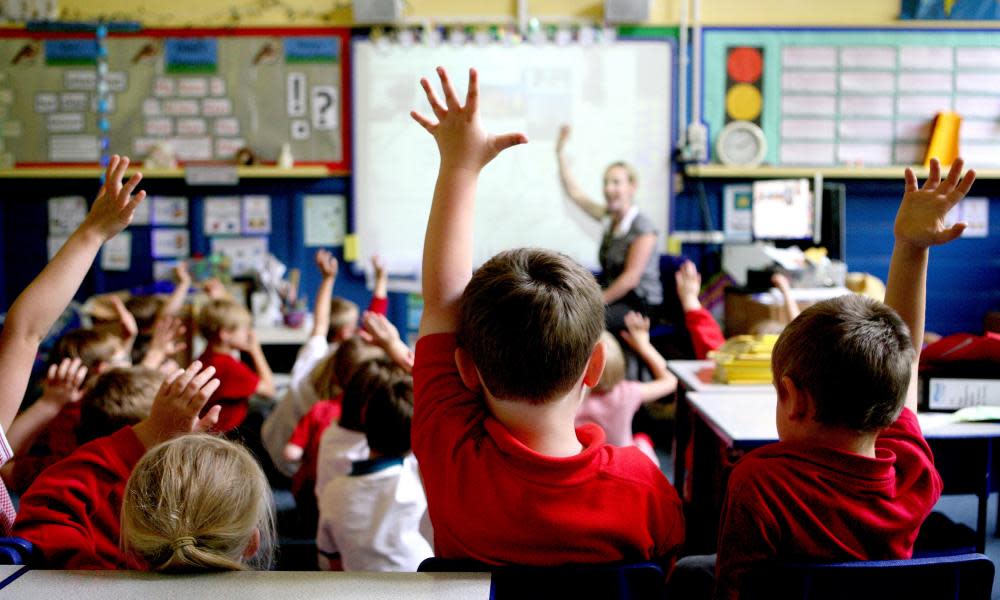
<point>182,542</point>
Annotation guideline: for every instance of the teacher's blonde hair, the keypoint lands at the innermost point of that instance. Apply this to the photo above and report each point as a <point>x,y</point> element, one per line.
<point>633,175</point>
<point>195,503</point>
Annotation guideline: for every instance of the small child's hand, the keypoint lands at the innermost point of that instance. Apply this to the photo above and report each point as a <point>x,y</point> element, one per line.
<point>378,266</point>
<point>214,289</point>
<point>462,141</point>
<point>378,330</point>
<point>920,219</point>
<point>564,131</point>
<point>166,333</point>
<point>113,209</point>
<point>126,319</point>
<point>63,382</point>
<point>636,331</point>
<point>327,264</point>
<point>177,405</point>
<point>688,285</point>
<point>781,282</point>
<point>182,275</point>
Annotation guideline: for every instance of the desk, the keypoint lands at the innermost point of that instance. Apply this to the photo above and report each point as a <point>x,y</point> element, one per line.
<point>696,376</point>
<point>741,422</point>
<point>247,585</point>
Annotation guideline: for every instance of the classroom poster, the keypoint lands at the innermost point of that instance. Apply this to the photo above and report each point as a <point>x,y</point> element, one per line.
<point>116,254</point>
<point>170,243</point>
<point>169,210</point>
<point>256,214</point>
<point>325,220</point>
<point>223,215</point>
<point>737,213</point>
<point>66,213</point>
<point>246,254</point>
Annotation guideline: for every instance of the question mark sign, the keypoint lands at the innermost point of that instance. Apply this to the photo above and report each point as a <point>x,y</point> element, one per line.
<point>327,100</point>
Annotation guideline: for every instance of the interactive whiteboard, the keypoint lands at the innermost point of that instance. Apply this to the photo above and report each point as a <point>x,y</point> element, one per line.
<point>617,97</point>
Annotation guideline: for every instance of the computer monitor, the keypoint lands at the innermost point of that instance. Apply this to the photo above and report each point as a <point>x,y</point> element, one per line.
<point>783,209</point>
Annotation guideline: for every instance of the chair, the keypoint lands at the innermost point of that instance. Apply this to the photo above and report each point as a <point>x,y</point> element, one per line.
<point>622,581</point>
<point>16,551</point>
<point>958,577</point>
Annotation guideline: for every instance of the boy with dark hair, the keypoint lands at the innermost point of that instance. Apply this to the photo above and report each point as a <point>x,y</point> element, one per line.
<point>504,359</point>
<point>852,477</point>
<point>117,398</point>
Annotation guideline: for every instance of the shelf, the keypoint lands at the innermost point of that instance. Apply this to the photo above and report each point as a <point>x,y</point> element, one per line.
<point>767,172</point>
<point>262,172</point>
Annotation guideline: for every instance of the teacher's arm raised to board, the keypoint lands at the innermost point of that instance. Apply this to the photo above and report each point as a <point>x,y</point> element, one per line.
<point>640,252</point>
<point>593,208</point>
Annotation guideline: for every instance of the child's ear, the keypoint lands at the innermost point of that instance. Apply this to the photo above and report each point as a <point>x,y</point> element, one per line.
<point>467,370</point>
<point>799,402</point>
<point>595,365</point>
<point>253,545</point>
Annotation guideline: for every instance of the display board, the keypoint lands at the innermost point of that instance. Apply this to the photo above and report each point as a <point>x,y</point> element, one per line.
<point>617,97</point>
<point>206,93</point>
<point>855,97</point>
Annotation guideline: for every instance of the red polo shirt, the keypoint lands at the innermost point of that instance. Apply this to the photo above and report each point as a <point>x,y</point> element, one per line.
<point>237,382</point>
<point>493,499</point>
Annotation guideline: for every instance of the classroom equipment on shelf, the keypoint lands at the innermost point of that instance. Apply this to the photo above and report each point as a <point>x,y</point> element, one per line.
<point>782,210</point>
<point>203,92</point>
<point>944,139</point>
<point>616,95</point>
<point>836,96</point>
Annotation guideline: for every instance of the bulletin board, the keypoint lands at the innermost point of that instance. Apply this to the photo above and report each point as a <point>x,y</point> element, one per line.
<point>868,97</point>
<point>618,98</point>
<point>207,93</point>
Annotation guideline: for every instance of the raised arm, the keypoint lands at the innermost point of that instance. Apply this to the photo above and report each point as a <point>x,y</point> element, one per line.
<point>40,304</point>
<point>328,268</point>
<point>377,329</point>
<point>465,148</point>
<point>920,225</point>
<point>61,387</point>
<point>705,332</point>
<point>637,336</point>
<point>791,307</point>
<point>176,300</point>
<point>596,210</point>
<point>639,253</point>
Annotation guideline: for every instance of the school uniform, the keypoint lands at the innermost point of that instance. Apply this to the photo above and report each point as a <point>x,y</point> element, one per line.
<point>706,335</point>
<point>71,513</point>
<point>7,514</point>
<point>237,382</point>
<point>373,515</point>
<point>339,449</point>
<point>794,501</point>
<point>307,436</point>
<point>54,443</point>
<point>494,500</point>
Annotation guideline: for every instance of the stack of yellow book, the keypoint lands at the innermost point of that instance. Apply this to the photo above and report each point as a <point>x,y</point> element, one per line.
<point>744,359</point>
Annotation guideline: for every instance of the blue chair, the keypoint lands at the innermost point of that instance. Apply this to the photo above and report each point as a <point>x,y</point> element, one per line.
<point>16,551</point>
<point>621,581</point>
<point>958,577</point>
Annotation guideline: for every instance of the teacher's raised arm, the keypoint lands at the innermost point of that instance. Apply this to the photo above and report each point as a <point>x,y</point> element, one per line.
<point>630,273</point>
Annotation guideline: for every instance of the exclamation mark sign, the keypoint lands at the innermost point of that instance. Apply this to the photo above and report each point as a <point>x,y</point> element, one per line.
<point>296,94</point>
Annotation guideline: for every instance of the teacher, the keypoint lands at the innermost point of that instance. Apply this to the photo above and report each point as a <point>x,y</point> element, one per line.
<point>630,271</point>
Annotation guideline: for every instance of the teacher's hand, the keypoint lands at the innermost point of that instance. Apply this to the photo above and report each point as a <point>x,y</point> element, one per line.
<point>564,131</point>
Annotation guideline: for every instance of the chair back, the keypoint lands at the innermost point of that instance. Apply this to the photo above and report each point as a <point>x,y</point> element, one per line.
<point>957,577</point>
<point>621,581</point>
<point>15,551</point>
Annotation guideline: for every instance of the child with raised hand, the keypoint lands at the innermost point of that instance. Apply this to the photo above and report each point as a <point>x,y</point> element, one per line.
<point>504,359</point>
<point>613,402</point>
<point>852,477</point>
<point>706,335</point>
<point>36,309</point>
<point>71,513</point>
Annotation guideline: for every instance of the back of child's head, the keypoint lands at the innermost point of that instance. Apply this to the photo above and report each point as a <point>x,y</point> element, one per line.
<point>115,399</point>
<point>343,319</point>
<point>529,319</point>
<point>145,309</point>
<point>379,401</point>
<point>94,348</point>
<point>853,356</point>
<point>331,375</point>
<point>221,315</point>
<point>195,503</point>
<point>614,365</point>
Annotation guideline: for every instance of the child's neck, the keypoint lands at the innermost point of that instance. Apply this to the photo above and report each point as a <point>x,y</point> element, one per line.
<point>220,347</point>
<point>547,429</point>
<point>839,438</point>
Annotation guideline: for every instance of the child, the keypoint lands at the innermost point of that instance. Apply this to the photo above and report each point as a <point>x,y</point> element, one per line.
<point>334,321</point>
<point>504,359</point>
<point>213,509</point>
<point>72,511</point>
<point>613,402</point>
<point>372,516</point>
<point>225,324</point>
<point>303,445</point>
<point>344,442</point>
<point>852,477</point>
<point>701,325</point>
<point>118,398</point>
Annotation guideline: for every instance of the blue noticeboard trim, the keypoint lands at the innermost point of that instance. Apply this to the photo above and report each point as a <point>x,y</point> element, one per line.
<point>76,52</point>
<point>183,54</point>
<point>312,49</point>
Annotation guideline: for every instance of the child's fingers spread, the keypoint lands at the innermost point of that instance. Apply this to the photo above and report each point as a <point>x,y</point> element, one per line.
<point>450,98</point>
<point>53,369</point>
<point>108,174</point>
<point>116,178</point>
<point>424,121</point>
<point>954,174</point>
<point>933,175</point>
<point>134,202</point>
<point>953,232</point>
<point>965,186</point>
<point>81,375</point>
<point>207,422</point>
<point>910,180</point>
<point>63,369</point>
<point>472,96</point>
<point>130,185</point>
<point>502,142</point>
<point>199,400</point>
<point>432,98</point>
<point>199,381</point>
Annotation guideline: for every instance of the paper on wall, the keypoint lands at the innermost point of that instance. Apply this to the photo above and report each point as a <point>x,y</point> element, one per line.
<point>170,243</point>
<point>245,253</point>
<point>116,254</point>
<point>324,220</point>
<point>737,212</point>
<point>143,213</point>
<point>256,214</point>
<point>54,242</point>
<point>976,214</point>
<point>65,214</point>
<point>170,210</point>
<point>222,215</point>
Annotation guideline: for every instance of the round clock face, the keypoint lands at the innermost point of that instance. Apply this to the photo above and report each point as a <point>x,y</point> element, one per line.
<point>741,143</point>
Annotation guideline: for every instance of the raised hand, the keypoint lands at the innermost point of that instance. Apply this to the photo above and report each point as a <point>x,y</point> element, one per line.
<point>920,221</point>
<point>126,319</point>
<point>327,264</point>
<point>165,341</point>
<point>564,131</point>
<point>181,274</point>
<point>215,289</point>
<point>459,133</point>
<point>113,209</point>
<point>63,382</point>
<point>688,282</point>
<point>177,405</point>
<point>636,331</point>
<point>378,330</point>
